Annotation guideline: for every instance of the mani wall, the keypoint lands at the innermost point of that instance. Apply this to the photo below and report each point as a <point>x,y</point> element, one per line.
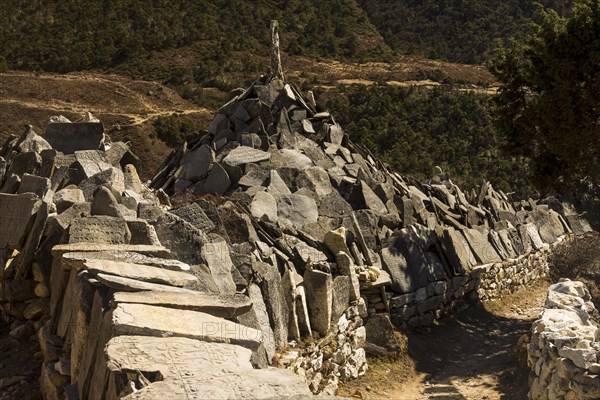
<point>272,240</point>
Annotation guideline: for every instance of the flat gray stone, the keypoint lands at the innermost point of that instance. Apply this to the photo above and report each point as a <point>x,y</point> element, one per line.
<point>31,141</point>
<point>295,159</point>
<point>90,162</point>
<point>218,181</point>
<point>75,259</point>
<point>183,238</point>
<point>99,229</point>
<point>244,155</point>
<point>315,179</point>
<point>277,187</point>
<point>457,251</point>
<point>216,305</point>
<point>299,209</point>
<point>191,369</point>
<point>371,200</point>
<point>112,177</point>
<point>143,273</point>
<point>147,320</point>
<point>264,205</point>
<point>405,261</point>
<point>25,163</point>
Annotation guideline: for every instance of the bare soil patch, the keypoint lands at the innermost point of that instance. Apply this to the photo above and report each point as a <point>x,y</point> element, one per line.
<point>479,354</point>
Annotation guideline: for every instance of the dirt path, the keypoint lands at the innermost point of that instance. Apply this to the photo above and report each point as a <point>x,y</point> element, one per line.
<point>479,355</point>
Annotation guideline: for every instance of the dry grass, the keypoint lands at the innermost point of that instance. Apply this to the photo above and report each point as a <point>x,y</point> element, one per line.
<point>579,260</point>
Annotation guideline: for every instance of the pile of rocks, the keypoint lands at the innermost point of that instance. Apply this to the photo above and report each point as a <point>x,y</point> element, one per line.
<point>85,266</point>
<point>564,353</point>
<point>412,245</point>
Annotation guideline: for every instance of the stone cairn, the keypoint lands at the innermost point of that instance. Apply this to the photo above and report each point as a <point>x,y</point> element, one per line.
<point>271,240</point>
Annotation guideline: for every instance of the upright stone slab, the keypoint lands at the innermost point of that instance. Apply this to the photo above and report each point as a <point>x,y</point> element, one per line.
<point>507,242</point>
<point>457,251</point>
<point>16,217</point>
<point>269,281</point>
<point>194,214</point>
<point>482,248</point>
<point>319,296</point>
<point>71,137</point>
<point>532,231</point>
<point>34,184</point>
<point>261,319</point>
<point>197,163</point>
<point>496,241</point>
<point>99,229</point>
<point>341,297</point>
<point>216,255</point>
<point>405,261</point>
<point>346,266</point>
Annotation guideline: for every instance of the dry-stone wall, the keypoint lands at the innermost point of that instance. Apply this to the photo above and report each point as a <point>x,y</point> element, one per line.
<point>271,240</point>
<point>564,352</point>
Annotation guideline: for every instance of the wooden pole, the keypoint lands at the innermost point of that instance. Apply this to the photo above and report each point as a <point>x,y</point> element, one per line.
<point>276,70</point>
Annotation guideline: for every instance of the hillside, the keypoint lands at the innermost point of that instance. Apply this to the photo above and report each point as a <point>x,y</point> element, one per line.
<point>126,107</point>
<point>454,30</point>
<point>138,38</point>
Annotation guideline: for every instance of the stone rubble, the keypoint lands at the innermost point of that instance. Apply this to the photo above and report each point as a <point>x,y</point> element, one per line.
<point>564,351</point>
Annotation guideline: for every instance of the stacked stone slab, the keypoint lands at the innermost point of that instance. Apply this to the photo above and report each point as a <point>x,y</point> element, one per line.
<point>272,230</point>
<point>85,267</point>
<point>564,352</point>
<point>291,167</point>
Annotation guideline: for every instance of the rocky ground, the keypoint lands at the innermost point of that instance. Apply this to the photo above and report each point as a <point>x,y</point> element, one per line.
<point>479,355</point>
<point>20,365</point>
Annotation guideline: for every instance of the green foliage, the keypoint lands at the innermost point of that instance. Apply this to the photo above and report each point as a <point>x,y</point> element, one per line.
<point>549,105</point>
<point>453,30</point>
<point>174,130</point>
<point>70,35</point>
<point>415,129</point>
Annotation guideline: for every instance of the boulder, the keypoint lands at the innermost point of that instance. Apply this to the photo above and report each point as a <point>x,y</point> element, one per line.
<point>319,298</point>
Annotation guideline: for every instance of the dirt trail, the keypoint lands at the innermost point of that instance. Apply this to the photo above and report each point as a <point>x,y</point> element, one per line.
<point>479,355</point>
